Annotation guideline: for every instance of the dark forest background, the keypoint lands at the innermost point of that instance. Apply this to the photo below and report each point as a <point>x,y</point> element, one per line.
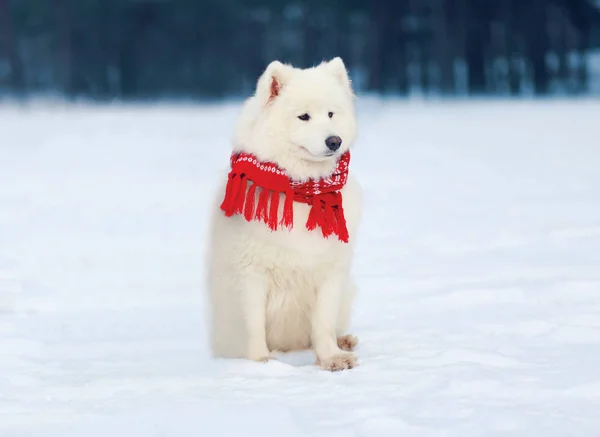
<point>145,49</point>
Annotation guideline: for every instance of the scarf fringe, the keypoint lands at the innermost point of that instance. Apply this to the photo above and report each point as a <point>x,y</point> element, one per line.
<point>241,199</point>
<point>241,195</point>
<point>342,229</point>
<point>250,199</point>
<point>288,209</point>
<point>329,217</point>
<point>274,210</point>
<point>231,192</point>
<point>263,206</point>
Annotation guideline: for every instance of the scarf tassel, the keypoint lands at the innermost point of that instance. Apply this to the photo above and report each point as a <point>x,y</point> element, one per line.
<point>231,194</point>
<point>342,229</point>
<point>288,210</point>
<point>263,206</point>
<point>274,209</point>
<point>314,216</point>
<point>250,199</point>
<point>329,217</point>
<point>241,195</point>
<point>329,223</point>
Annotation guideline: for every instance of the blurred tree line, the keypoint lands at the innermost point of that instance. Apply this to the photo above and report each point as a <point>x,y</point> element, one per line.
<point>142,49</point>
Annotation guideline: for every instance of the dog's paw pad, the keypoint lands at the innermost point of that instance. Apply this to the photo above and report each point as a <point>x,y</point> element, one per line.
<point>343,361</point>
<point>347,342</point>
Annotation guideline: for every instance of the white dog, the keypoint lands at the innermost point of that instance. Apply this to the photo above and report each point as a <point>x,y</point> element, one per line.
<point>279,277</point>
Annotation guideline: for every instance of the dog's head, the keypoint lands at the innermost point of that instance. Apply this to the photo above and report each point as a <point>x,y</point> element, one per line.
<point>302,119</point>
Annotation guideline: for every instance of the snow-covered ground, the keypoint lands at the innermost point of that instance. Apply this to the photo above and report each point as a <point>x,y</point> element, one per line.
<point>478,263</point>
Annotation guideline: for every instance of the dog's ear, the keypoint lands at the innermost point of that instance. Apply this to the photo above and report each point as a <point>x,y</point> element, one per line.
<point>272,81</point>
<point>338,69</point>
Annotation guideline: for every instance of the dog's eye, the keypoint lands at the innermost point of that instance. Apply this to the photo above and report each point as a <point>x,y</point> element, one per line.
<point>330,115</point>
<point>304,117</point>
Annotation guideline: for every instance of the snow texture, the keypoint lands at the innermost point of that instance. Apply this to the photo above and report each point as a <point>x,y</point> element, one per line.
<point>478,265</point>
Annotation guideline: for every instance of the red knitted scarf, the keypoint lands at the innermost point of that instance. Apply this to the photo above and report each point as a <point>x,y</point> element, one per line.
<point>269,182</point>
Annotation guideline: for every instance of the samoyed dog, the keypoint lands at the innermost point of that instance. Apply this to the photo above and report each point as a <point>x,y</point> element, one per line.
<point>285,221</point>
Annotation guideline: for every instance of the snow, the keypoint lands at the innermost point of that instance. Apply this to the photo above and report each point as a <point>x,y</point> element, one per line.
<point>478,264</point>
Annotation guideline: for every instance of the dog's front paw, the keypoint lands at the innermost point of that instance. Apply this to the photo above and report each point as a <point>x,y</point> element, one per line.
<point>341,361</point>
<point>259,355</point>
<point>347,342</point>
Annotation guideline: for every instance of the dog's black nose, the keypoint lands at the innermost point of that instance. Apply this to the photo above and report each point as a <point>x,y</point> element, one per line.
<point>333,143</point>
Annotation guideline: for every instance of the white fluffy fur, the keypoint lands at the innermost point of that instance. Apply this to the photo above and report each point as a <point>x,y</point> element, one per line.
<point>287,290</point>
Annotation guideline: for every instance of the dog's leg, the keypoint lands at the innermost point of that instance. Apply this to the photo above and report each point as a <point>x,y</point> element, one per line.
<point>324,321</point>
<point>254,301</point>
<point>346,342</point>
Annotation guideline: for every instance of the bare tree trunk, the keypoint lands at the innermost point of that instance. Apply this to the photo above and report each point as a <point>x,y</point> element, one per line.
<point>17,76</point>
<point>312,36</point>
<point>457,19</point>
<point>476,37</point>
<point>513,51</point>
<point>63,22</point>
<point>402,75</point>
<point>254,58</point>
<point>378,55</point>
<point>401,39</point>
<point>538,46</point>
<point>563,51</point>
<point>583,47</point>
<point>424,61</point>
<point>444,46</point>
<point>137,16</point>
<point>382,47</point>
